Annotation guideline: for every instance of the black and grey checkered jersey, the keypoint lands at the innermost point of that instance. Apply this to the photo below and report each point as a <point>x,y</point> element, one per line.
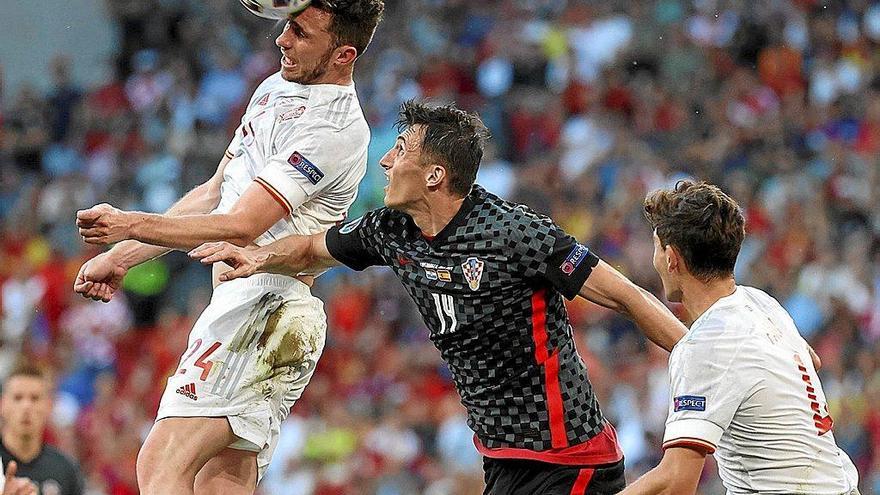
<point>490,288</point>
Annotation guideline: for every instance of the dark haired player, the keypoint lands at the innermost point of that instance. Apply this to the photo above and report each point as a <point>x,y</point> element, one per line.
<point>25,407</point>
<point>744,385</point>
<point>489,278</point>
<point>293,167</point>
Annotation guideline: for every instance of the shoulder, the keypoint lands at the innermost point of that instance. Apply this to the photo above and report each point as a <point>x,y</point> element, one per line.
<point>719,325</point>
<point>345,140</point>
<point>718,336</point>
<point>515,220</point>
<point>271,80</point>
<point>764,301</point>
<point>271,83</point>
<point>59,460</point>
<point>381,219</point>
<point>526,231</point>
<point>338,108</point>
<point>56,455</point>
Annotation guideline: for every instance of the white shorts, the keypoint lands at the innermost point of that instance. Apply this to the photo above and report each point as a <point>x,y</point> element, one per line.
<point>250,355</point>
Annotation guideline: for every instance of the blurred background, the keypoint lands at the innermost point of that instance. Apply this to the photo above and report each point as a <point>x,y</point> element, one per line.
<point>592,105</point>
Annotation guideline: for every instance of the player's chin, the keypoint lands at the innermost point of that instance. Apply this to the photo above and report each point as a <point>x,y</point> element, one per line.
<point>389,201</point>
<point>288,75</point>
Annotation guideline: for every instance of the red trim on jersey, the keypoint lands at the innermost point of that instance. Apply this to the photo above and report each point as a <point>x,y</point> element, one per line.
<point>277,196</point>
<point>555,407</point>
<point>550,362</point>
<point>601,449</point>
<point>582,481</point>
<point>539,326</point>
<point>697,444</point>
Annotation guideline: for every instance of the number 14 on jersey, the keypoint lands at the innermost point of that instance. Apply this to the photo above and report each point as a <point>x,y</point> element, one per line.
<point>446,311</point>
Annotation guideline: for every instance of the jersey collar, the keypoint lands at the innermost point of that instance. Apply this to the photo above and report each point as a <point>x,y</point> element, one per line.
<point>460,218</point>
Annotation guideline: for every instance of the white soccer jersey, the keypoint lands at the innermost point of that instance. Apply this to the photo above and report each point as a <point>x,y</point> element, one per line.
<point>307,146</point>
<point>743,385</point>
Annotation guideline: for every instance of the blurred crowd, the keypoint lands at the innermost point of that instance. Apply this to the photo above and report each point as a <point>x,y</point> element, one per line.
<point>591,104</point>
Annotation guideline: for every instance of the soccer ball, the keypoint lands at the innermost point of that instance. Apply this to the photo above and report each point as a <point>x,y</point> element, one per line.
<point>275,9</point>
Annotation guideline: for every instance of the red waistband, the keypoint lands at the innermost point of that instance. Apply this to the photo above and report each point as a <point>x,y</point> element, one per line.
<point>601,449</point>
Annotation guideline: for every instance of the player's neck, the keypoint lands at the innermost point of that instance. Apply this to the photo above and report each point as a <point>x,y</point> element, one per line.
<point>341,78</point>
<point>24,447</point>
<point>433,214</point>
<point>698,296</point>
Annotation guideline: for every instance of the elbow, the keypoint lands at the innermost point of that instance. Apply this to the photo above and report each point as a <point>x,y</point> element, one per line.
<point>239,232</point>
<point>624,300</point>
<point>243,239</point>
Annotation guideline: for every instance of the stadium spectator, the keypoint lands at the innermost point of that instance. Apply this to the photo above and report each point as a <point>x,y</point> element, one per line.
<point>25,406</point>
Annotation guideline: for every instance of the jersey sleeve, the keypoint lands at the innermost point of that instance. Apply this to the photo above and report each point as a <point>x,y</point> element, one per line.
<point>707,388</point>
<point>307,162</point>
<point>357,244</point>
<point>546,252</point>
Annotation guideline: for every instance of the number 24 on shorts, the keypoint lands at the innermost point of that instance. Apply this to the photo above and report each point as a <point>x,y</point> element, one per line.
<point>202,361</point>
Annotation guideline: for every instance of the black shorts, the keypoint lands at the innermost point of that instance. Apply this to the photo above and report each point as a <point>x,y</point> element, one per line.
<point>520,477</point>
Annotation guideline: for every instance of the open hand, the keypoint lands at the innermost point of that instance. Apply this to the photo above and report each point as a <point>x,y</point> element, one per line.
<point>99,278</point>
<point>103,224</point>
<point>244,261</point>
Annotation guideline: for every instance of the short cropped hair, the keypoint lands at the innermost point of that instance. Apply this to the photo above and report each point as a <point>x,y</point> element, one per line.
<point>353,22</point>
<point>453,137</point>
<point>26,370</point>
<point>701,221</point>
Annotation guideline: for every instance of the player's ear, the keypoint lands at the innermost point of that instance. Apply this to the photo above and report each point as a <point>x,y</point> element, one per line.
<point>345,55</point>
<point>434,175</point>
<point>673,259</point>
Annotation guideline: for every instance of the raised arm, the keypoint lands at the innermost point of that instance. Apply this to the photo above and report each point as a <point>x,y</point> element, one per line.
<point>254,212</point>
<point>289,256</point>
<point>101,276</point>
<point>609,288</point>
<point>305,164</point>
<point>200,200</point>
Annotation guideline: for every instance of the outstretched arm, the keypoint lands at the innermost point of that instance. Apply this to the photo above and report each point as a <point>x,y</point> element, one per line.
<point>289,256</point>
<point>609,288</point>
<point>200,200</point>
<point>253,214</point>
<point>100,277</point>
<point>677,474</point>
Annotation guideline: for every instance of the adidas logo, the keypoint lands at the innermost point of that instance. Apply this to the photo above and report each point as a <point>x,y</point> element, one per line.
<point>188,391</point>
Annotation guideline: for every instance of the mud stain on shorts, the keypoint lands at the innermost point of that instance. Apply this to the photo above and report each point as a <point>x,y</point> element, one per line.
<point>288,339</point>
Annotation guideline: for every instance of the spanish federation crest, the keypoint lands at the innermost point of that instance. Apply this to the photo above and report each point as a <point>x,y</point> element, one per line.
<point>473,272</point>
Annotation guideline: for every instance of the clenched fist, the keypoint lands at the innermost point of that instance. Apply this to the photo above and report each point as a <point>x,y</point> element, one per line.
<point>99,278</point>
<point>103,224</point>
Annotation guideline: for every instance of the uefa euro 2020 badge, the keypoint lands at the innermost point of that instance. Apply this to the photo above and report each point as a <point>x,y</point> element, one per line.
<point>473,272</point>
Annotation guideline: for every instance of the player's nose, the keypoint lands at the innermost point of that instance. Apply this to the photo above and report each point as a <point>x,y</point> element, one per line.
<point>284,40</point>
<point>385,161</point>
